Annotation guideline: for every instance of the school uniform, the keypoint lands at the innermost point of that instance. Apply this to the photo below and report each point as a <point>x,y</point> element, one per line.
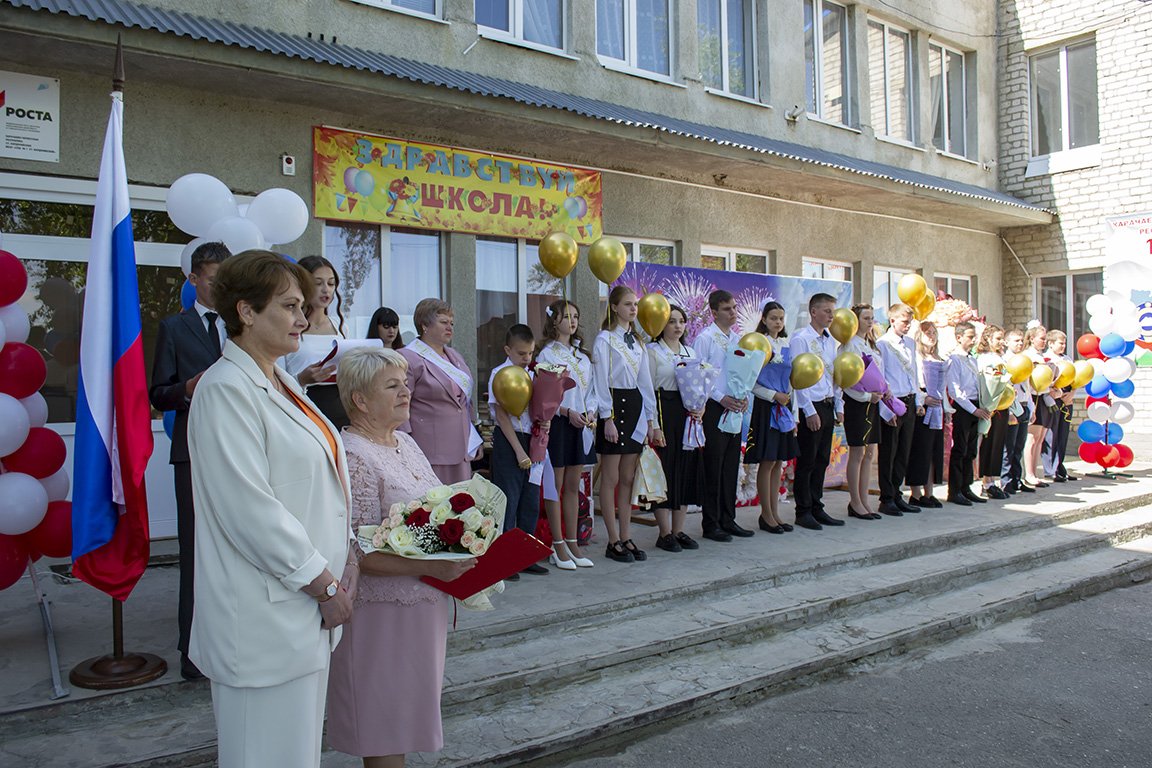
<point>823,399</point>
<point>992,446</point>
<point>1056,441</point>
<point>681,466</point>
<point>570,446</point>
<point>926,456</point>
<point>964,390</point>
<point>622,384</point>
<point>523,510</point>
<point>721,449</point>
<point>765,442</point>
<point>861,415</point>
<point>900,371</point>
<point>1015,437</point>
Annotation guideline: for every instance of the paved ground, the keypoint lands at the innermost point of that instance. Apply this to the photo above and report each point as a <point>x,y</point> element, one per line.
<point>1068,687</point>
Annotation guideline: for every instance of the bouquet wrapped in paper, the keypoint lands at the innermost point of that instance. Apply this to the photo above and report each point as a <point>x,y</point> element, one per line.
<point>740,372</point>
<point>548,388</point>
<point>934,384</point>
<point>992,388</point>
<point>874,383</point>
<point>775,376</point>
<point>694,378</point>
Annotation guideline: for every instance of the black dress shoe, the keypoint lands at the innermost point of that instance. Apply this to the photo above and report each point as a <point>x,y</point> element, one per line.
<point>669,544</point>
<point>916,502</point>
<point>787,528</point>
<point>1060,479</point>
<point>997,492</point>
<point>888,508</point>
<point>1027,488</point>
<point>686,541</point>
<point>807,521</point>
<point>717,535</point>
<point>188,670</point>
<point>513,577</point>
<point>858,516</point>
<point>637,554</point>
<point>769,528</point>
<point>824,518</point>
<point>617,552</point>
<point>1010,488</point>
<point>931,501</point>
<point>736,530</point>
<point>904,506</point>
<point>972,497</point>
<point>959,500</point>
<point>1040,484</point>
<point>1071,478</point>
<point>535,569</point>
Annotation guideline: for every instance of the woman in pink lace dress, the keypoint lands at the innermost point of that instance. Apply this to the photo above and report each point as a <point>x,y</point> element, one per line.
<point>384,688</point>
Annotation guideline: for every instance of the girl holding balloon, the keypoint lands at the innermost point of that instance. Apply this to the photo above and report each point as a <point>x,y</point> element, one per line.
<point>862,417</point>
<point>1045,411</point>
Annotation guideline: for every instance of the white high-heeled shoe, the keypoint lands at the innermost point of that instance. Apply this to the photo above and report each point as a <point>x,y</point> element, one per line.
<point>583,562</point>
<point>564,565</point>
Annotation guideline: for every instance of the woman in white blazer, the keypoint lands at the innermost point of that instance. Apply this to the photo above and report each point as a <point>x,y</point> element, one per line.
<point>271,497</point>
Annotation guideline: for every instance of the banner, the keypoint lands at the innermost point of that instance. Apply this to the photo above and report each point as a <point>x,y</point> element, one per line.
<point>377,180</point>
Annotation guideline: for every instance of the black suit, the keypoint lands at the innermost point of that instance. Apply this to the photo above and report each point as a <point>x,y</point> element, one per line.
<point>183,350</point>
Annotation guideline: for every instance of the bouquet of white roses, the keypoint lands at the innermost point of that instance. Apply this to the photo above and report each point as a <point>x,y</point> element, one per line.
<point>449,522</point>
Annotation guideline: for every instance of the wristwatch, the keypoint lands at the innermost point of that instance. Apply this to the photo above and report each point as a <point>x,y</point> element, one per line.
<point>329,592</point>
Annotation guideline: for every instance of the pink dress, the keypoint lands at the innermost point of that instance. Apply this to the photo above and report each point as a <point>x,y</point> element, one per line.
<point>387,671</point>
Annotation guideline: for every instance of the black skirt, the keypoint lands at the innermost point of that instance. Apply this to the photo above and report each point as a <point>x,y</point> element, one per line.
<point>566,445</point>
<point>681,467</point>
<point>861,423</point>
<point>927,453</point>
<point>766,443</point>
<point>1047,416</point>
<point>627,408</point>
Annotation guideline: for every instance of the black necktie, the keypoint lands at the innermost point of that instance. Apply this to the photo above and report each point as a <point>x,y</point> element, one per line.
<point>630,338</point>
<point>213,334</point>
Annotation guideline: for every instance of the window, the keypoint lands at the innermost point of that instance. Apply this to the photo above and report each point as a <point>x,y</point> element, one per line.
<point>884,289</point>
<point>947,77</point>
<point>743,260</point>
<point>954,286</point>
<point>646,251</point>
<point>890,80</point>
<point>421,7</point>
<point>1061,299</point>
<point>826,60</point>
<point>826,270</point>
<point>727,51</point>
<point>534,21</point>
<point>1064,99</point>
<point>636,33</point>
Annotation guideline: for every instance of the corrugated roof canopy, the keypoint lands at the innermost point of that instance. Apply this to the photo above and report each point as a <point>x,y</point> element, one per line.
<point>199,28</point>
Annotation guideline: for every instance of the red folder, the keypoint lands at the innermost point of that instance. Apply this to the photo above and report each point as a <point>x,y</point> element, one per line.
<point>511,553</point>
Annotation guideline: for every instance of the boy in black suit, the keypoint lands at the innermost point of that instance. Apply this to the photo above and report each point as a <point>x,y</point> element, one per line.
<point>186,345</point>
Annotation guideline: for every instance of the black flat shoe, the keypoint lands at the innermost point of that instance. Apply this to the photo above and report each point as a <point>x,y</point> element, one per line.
<point>888,508</point>
<point>669,544</point>
<point>637,553</point>
<point>1027,488</point>
<point>916,502</point>
<point>959,501</point>
<point>932,501</point>
<point>686,541</point>
<point>875,516</point>
<point>618,553</point>
<point>1071,478</point>
<point>734,530</point>
<point>769,528</point>
<point>807,521</point>
<point>1060,479</point>
<point>972,497</point>
<point>513,577</point>
<point>994,492</point>
<point>853,513</point>
<point>535,569</point>
<point>717,535</point>
<point>787,528</point>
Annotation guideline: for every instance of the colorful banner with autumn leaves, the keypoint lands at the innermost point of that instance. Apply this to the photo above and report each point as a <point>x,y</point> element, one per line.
<point>364,178</point>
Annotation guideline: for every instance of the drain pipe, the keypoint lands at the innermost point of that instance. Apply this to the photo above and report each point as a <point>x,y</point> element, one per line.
<point>1010,248</point>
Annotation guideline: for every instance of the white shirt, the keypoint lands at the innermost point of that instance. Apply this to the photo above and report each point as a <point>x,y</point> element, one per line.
<point>202,310</point>
<point>712,346</point>
<point>821,344</point>
<point>900,370</point>
<point>663,362</point>
<point>580,397</point>
<point>962,382</point>
<point>860,346</point>
<point>521,423</point>
<point>615,366</point>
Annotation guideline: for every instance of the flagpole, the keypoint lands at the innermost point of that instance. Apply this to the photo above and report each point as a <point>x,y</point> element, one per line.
<point>118,669</point>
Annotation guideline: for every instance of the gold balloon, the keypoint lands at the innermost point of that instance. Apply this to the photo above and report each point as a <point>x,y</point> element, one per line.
<point>558,254</point>
<point>1041,378</point>
<point>1006,399</point>
<point>847,369</point>
<point>1067,375</point>
<point>652,311</point>
<point>756,342</point>
<point>924,307</point>
<point>607,257</point>
<point>911,289</point>
<point>1019,368</point>
<point>1084,373</point>
<point>807,369</point>
<point>844,325</point>
<point>513,389</point>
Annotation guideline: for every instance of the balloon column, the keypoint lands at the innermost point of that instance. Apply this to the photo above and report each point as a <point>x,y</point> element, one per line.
<point>1108,349</point>
<point>34,517</point>
<point>202,206</point>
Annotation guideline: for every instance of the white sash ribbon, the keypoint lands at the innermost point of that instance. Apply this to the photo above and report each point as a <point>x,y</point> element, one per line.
<point>641,432</point>
<point>462,379</point>
<point>570,359</point>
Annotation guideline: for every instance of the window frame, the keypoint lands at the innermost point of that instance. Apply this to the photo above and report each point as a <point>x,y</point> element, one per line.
<point>912,77</point>
<point>1089,151</point>
<point>849,118</point>
<point>729,255</point>
<point>628,64</point>
<point>751,56</point>
<point>944,51</point>
<point>515,35</point>
<point>893,296</point>
<point>949,277</point>
<point>388,5</point>
<point>1069,300</point>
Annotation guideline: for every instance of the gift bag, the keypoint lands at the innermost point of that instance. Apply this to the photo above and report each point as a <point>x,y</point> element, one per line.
<point>650,486</point>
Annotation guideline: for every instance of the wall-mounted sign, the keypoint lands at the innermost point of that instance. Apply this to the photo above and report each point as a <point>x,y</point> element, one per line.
<point>29,117</point>
<point>378,180</point>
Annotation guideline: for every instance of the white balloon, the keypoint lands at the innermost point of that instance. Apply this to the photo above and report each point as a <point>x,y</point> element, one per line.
<point>1124,308</point>
<point>1097,304</point>
<point>186,255</point>
<point>197,201</point>
<point>16,325</point>
<point>1099,412</point>
<point>243,208</point>
<point>23,503</point>
<point>1118,369</point>
<point>1128,327</point>
<point>1097,366</point>
<point>14,424</point>
<point>237,233</point>
<point>1122,411</point>
<point>1101,325</point>
<point>37,409</point>
<point>280,213</point>
<point>57,485</point>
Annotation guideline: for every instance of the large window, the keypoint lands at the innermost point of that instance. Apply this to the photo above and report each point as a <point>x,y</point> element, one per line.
<point>826,66</point>
<point>890,80</point>
<point>636,33</point>
<point>734,260</point>
<point>1064,98</point>
<point>947,76</point>
<point>884,281</point>
<point>646,251</point>
<point>956,286</point>
<point>727,51</point>
<point>822,269</point>
<point>534,21</point>
<point>421,7</point>
<point>1060,301</point>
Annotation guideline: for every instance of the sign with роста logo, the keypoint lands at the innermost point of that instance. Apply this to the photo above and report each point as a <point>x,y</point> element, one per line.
<point>29,117</point>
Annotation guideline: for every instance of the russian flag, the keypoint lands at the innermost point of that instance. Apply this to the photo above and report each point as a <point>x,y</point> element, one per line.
<point>113,421</point>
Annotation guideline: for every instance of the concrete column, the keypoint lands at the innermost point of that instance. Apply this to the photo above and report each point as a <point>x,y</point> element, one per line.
<point>460,291</point>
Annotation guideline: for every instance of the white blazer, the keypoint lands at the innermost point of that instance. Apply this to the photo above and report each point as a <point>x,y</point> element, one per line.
<point>272,511</point>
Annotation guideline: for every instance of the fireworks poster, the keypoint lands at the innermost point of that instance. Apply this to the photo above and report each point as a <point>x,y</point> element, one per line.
<point>688,288</point>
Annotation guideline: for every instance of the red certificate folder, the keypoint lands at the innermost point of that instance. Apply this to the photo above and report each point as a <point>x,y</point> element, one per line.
<point>511,553</point>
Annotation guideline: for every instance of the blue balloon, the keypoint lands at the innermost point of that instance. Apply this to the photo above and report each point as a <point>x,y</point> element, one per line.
<point>169,422</point>
<point>1114,434</point>
<point>1112,345</point>
<point>1124,389</point>
<point>1129,348</point>
<point>1098,387</point>
<point>187,295</point>
<point>1090,432</point>
<point>288,257</point>
<point>365,183</point>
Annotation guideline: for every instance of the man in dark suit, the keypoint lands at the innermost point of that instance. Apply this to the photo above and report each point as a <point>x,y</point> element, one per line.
<point>186,345</point>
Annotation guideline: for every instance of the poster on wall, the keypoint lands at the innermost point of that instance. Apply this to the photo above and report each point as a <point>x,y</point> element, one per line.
<point>1127,248</point>
<point>378,180</point>
<point>30,108</point>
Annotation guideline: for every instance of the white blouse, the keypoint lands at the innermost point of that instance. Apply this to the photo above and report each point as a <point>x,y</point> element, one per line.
<point>663,361</point>
<point>615,366</point>
<point>580,398</point>
<point>314,347</point>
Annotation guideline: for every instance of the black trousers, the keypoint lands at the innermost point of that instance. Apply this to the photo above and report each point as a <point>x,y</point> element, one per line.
<point>895,448</point>
<point>992,446</point>
<point>811,464</point>
<point>721,471</point>
<point>1056,444</point>
<point>1017,434</point>
<point>965,439</point>
<point>523,509</point>
<point>186,537</point>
